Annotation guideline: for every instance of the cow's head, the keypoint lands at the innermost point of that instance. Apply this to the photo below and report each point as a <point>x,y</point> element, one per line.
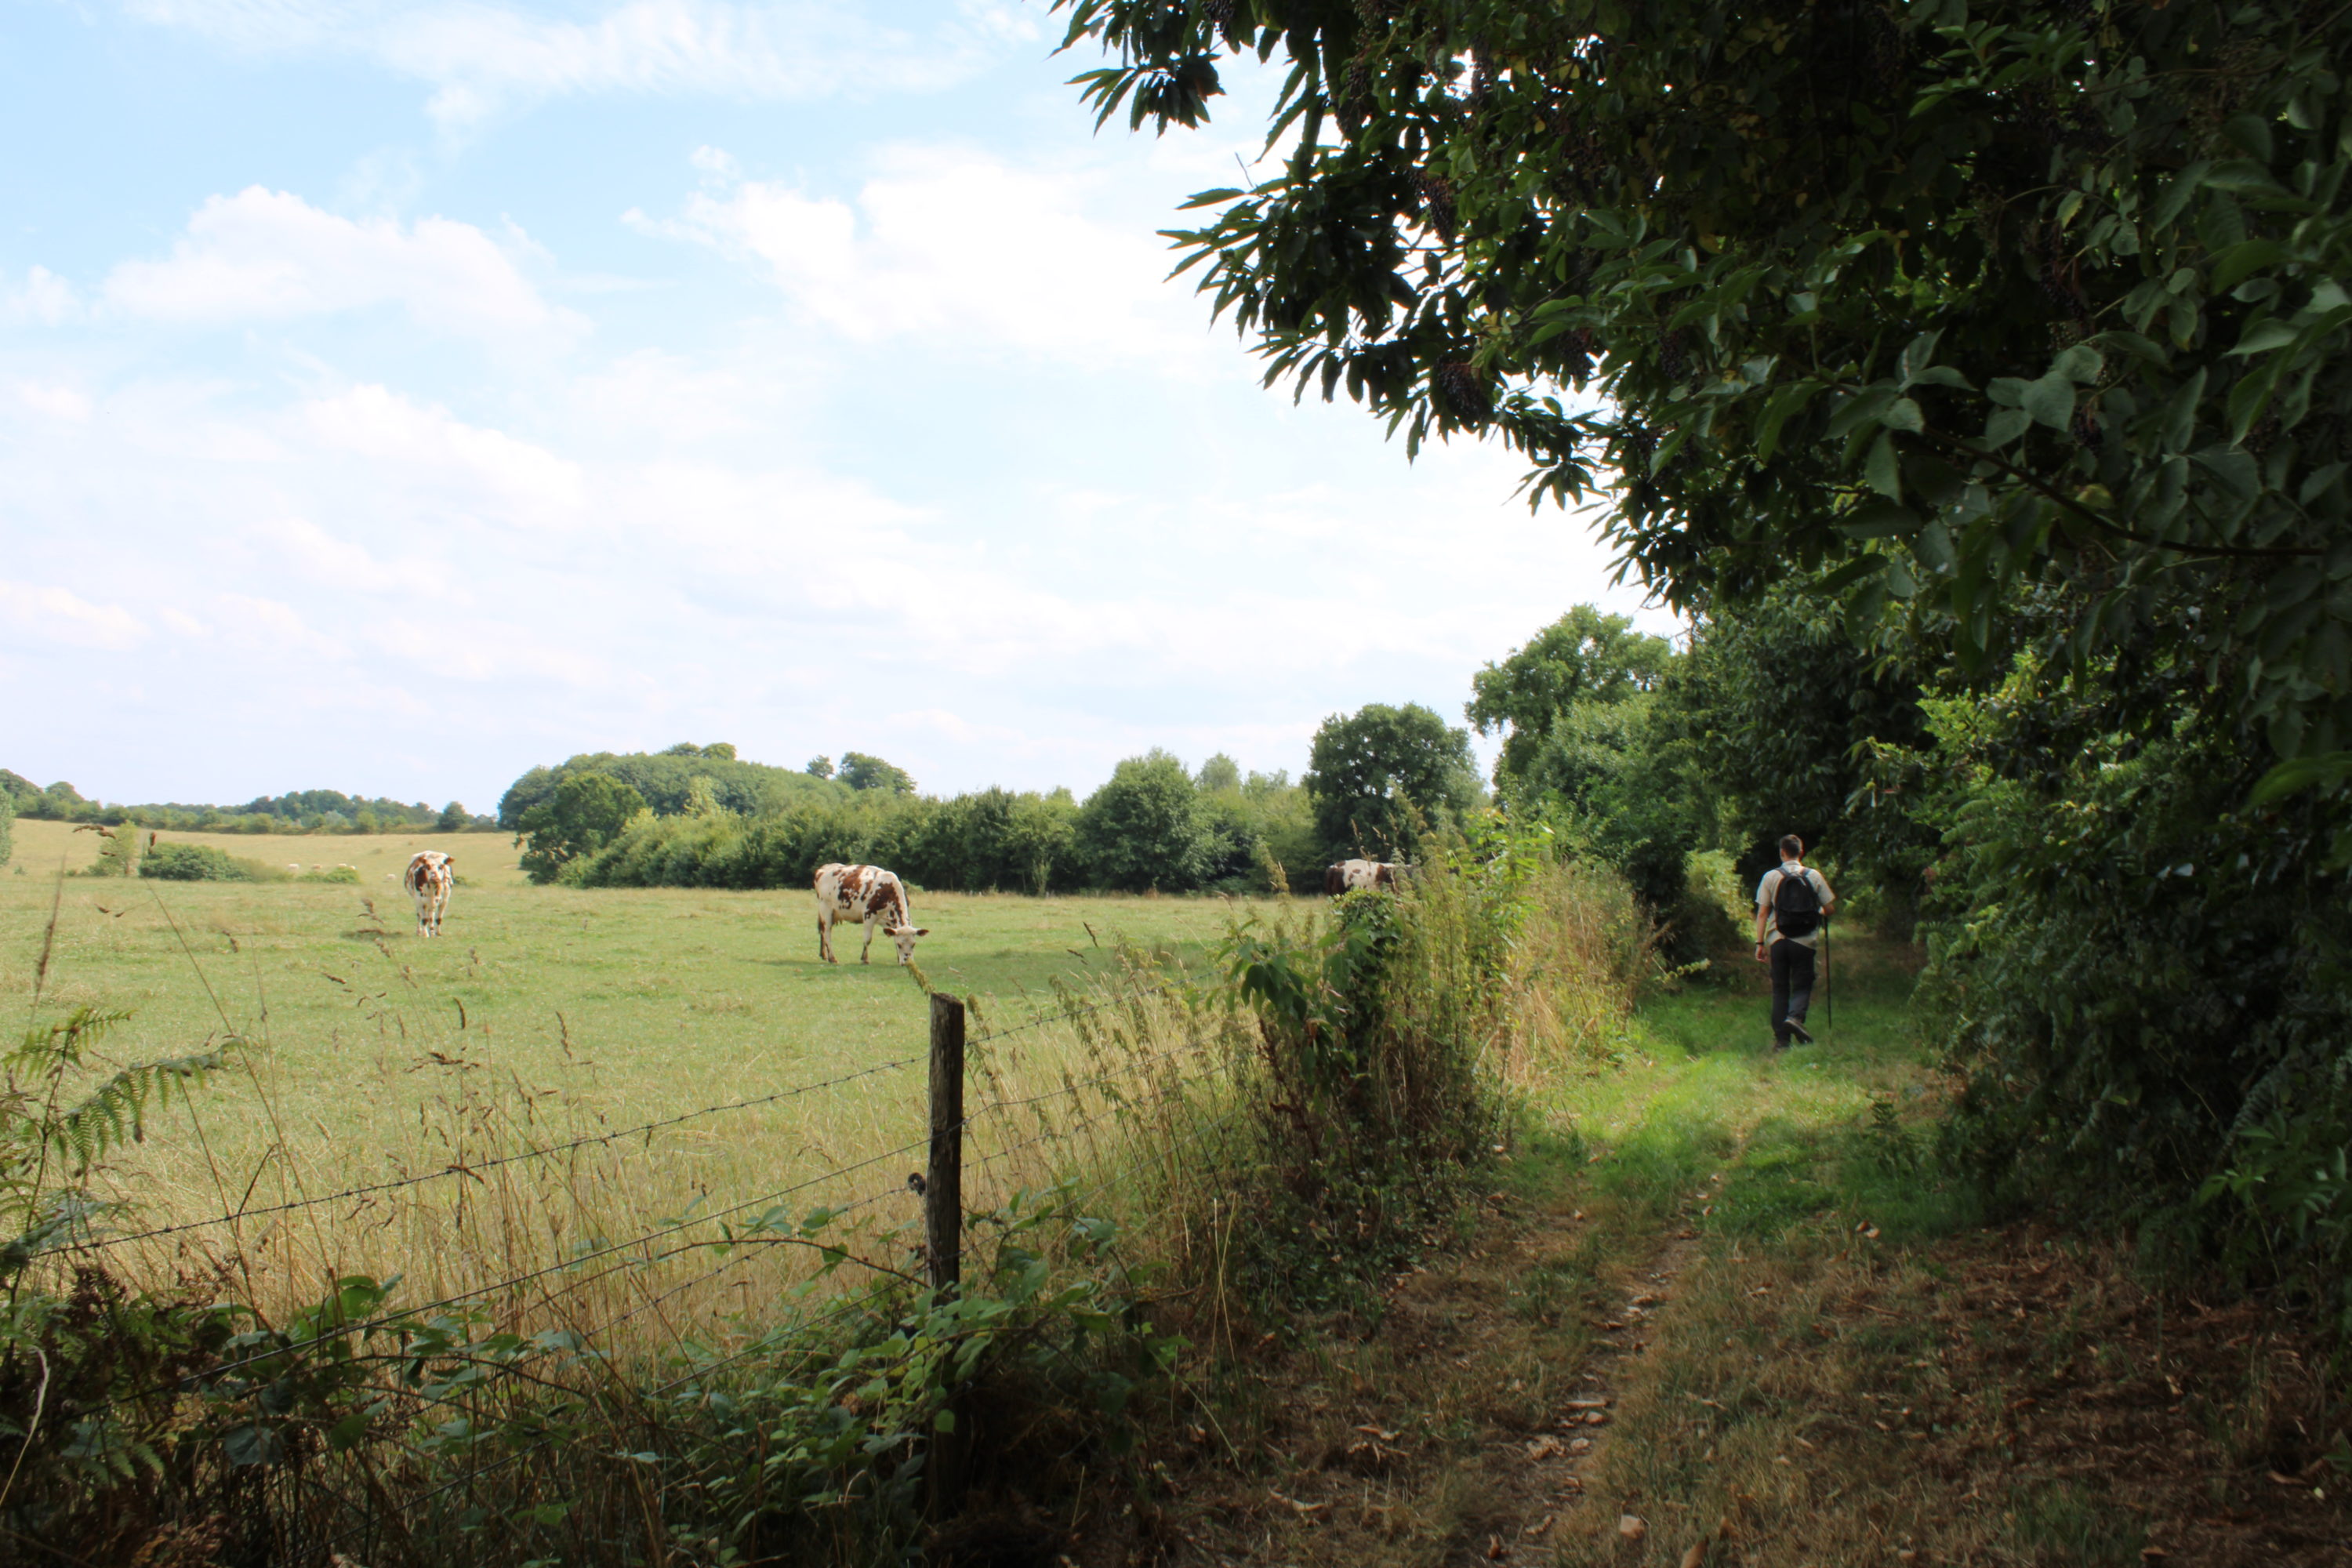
<point>905,937</point>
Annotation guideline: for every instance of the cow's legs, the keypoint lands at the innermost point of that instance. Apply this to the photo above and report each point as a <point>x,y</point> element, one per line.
<point>825,940</point>
<point>862,952</point>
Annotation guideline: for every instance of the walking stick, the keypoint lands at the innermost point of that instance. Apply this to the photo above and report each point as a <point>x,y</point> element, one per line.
<point>1828,991</point>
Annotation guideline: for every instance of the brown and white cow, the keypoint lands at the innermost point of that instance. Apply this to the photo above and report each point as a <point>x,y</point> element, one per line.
<point>1349,875</point>
<point>867,896</point>
<point>428,882</point>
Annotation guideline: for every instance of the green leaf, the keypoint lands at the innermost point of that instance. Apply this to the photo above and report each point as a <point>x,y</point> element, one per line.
<point>1904,414</point>
<point>1917,356</point>
<point>2249,131</point>
<point>2330,769</point>
<point>1853,572</point>
<point>2050,401</point>
<point>2169,206</point>
<point>2006,426</point>
<point>1778,412</point>
<point>2234,468</point>
<point>2268,333</point>
<point>1884,474</point>
<point>2009,390</point>
<point>2080,363</point>
<point>1863,408</point>
<point>2136,345</point>
<point>1879,519</point>
<point>1933,546</point>
<point>2241,261</point>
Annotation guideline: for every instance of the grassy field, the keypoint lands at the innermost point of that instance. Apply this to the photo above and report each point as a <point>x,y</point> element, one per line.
<point>541,1015</point>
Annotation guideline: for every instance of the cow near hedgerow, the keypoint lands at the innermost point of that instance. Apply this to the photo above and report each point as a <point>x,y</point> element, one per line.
<point>867,896</point>
<point>1349,876</point>
<point>428,882</point>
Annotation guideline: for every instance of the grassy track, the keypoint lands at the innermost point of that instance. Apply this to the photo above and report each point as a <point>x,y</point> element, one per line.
<point>1724,1308</point>
<point>542,1014</point>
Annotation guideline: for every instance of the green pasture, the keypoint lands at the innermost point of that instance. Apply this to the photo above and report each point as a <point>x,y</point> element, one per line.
<point>540,1013</point>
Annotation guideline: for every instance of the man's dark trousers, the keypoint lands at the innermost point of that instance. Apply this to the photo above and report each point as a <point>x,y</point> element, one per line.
<point>1792,985</point>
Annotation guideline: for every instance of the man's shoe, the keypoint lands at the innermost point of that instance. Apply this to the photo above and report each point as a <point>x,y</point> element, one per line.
<point>1779,1046</point>
<point>1799,1030</point>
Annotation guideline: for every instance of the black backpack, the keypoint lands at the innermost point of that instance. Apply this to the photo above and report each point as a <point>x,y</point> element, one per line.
<point>1796,908</point>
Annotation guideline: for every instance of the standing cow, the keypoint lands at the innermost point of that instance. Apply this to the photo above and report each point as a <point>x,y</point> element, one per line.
<point>867,896</point>
<point>1349,875</point>
<point>428,882</point>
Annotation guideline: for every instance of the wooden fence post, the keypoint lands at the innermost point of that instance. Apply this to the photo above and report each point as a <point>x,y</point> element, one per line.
<point>943,1226</point>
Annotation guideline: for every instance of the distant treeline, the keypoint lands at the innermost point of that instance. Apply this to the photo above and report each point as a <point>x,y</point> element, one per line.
<point>667,782</point>
<point>298,811</point>
<point>700,817</point>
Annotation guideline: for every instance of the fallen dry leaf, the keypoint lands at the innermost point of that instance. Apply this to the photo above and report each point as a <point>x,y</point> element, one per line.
<point>1579,1444</point>
<point>1697,1554</point>
<point>1545,1448</point>
<point>1539,1526</point>
<point>1631,1527</point>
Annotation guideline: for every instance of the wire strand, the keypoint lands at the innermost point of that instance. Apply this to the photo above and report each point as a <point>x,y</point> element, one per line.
<point>458,1297</point>
<point>476,1167</point>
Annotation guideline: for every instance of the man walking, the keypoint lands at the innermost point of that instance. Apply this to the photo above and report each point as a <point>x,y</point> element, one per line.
<point>1792,904</point>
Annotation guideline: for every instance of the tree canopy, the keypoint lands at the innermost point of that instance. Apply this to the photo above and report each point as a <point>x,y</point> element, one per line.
<point>667,780</point>
<point>859,770</point>
<point>1584,657</point>
<point>583,813</point>
<point>1146,827</point>
<point>1378,775</point>
<point>1939,305</point>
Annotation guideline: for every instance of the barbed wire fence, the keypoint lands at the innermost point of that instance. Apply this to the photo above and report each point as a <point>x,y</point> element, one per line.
<point>435,1329</point>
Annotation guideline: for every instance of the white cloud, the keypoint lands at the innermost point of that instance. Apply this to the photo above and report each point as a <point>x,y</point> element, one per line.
<point>958,244</point>
<point>51,616</point>
<point>43,297</point>
<point>476,650</point>
<point>480,59</point>
<point>57,402</point>
<point>341,563</point>
<point>440,460</point>
<point>265,254</point>
<point>255,624</point>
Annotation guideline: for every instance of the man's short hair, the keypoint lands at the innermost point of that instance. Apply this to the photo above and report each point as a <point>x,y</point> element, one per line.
<point>1791,846</point>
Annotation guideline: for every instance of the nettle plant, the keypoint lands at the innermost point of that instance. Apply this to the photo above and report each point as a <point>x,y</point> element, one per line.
<point>74,1343</point>
<point>1935,302</point>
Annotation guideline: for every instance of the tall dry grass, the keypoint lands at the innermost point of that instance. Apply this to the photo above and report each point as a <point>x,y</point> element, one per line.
<point>605,1296</point>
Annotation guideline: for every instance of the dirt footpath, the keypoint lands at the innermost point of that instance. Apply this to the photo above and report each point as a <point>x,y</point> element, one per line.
<point>1999,1397</point>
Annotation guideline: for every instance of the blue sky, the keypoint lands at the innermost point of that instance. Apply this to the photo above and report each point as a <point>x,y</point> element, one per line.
<point>393,396</point>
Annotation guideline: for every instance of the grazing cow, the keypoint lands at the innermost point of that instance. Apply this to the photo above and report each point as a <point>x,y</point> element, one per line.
<point>428,882</point>
<point>867,896</point>
<point>1349,875</point>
